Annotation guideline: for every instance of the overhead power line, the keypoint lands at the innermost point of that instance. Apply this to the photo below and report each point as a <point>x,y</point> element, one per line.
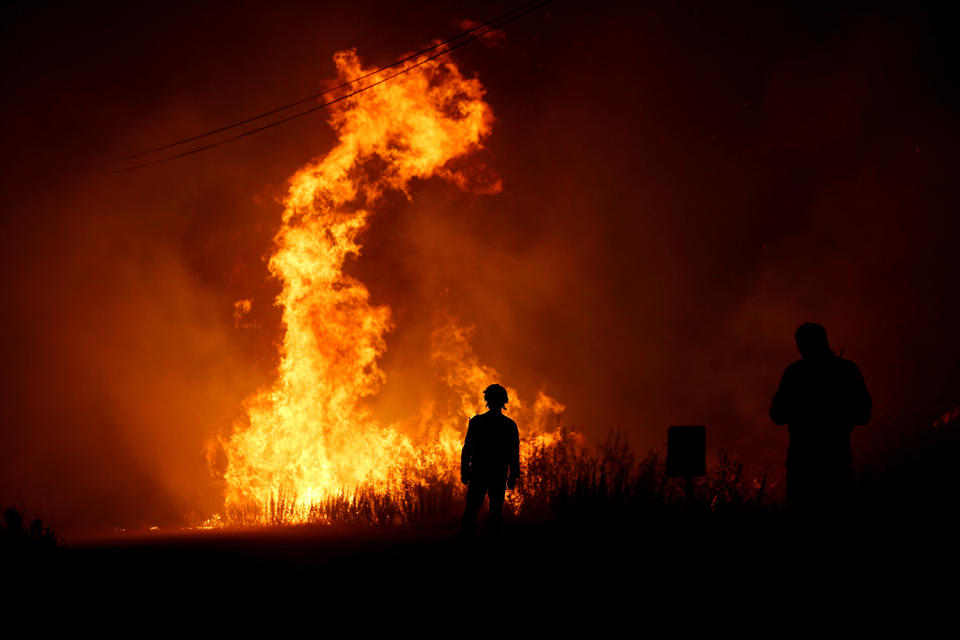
<point>265,114</point>
<point>451,44</point>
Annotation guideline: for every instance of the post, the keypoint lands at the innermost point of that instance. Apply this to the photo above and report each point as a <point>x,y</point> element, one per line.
<point>688,494</point>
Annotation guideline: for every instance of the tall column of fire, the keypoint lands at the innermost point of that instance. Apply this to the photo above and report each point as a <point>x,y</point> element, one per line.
<point>308,434</point>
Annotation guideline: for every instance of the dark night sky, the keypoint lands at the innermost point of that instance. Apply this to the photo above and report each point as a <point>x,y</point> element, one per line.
<point>683,185</point>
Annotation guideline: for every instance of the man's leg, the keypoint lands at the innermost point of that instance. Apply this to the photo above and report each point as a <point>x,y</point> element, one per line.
<point>496,509</point>
<point>838,491</point>
<point>799,498</point>
<point>475,495</point>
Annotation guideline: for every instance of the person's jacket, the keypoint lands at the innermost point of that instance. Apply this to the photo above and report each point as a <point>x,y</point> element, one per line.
<point>491,450</point>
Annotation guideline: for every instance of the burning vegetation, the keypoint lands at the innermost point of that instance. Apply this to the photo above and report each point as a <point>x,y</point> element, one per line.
<point>309,443</point>
<point>565,480</point>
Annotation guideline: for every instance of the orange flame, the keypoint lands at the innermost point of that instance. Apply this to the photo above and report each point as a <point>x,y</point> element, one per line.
<point>309,435</point>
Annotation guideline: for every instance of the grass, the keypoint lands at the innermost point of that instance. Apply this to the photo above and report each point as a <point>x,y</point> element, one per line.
<point>563,479</point>
<point>16,536</point>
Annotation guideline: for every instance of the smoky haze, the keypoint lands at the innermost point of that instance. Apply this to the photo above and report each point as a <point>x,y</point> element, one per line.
<point>682,187</point>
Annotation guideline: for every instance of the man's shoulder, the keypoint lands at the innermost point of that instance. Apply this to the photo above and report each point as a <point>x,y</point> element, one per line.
<point>492,418</point>
<point>849,369</point>
<point>849,365</point>
<point>794,368</point>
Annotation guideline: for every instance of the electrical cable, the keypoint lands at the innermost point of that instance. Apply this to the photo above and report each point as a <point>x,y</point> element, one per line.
<point>488,27</point>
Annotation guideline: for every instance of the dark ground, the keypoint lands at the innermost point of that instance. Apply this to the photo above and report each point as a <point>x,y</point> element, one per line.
<point>683,573</point>
<point>890,564</point>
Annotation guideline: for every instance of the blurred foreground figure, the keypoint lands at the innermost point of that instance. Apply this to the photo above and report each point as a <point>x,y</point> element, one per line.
<point>490,461</point>
<point>821,397</point>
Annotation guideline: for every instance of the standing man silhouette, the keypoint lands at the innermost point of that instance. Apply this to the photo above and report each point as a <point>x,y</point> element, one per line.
<point>821,398</point>
<point>490,460</point>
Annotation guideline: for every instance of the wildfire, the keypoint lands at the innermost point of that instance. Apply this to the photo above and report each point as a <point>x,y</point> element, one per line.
<point>309,435</point>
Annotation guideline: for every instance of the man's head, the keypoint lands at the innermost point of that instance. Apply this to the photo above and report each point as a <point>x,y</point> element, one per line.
<point>495,396</point>
<point>812,340</point>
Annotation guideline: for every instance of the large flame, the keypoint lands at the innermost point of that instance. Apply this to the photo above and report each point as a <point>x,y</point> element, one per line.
<point>309,435</point>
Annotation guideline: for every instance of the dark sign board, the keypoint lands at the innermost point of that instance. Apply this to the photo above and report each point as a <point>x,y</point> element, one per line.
<point>686,451</point>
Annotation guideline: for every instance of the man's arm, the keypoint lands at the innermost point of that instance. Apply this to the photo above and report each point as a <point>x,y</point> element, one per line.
<point>466,455</point>
<point>514,462</point>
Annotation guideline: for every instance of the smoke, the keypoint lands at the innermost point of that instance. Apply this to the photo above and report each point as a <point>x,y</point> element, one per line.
<point>679,191</point>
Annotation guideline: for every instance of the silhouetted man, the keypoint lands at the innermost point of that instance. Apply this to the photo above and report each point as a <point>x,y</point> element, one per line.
<point>821,397</point>
<point>490,460</point>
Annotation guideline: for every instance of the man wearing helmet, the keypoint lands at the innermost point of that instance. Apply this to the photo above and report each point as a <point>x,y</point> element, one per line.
<point>490,460</point>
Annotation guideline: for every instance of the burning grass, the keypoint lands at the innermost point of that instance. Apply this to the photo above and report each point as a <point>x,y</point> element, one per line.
<point>564,479</point>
